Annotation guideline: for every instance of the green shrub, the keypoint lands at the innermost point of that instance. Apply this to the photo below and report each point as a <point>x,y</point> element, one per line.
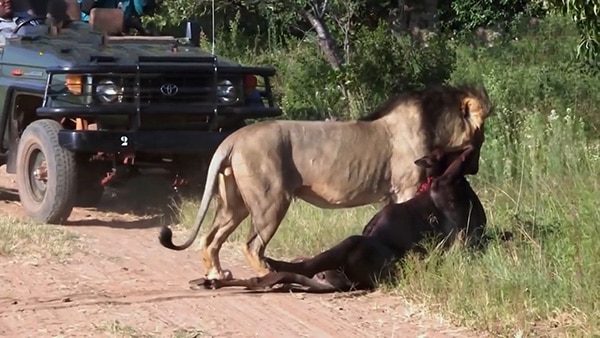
<point>535,72</point>
<point>466,15</point>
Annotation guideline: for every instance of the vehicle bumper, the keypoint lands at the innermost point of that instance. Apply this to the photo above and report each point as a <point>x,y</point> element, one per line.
<point>126,109</point>
<point>159,142</point>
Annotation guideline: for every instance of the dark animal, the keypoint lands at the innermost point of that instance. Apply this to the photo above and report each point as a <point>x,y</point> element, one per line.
<point>446,205</point>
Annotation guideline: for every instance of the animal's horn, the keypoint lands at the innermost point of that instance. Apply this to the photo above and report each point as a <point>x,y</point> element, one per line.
<point>456,167</point>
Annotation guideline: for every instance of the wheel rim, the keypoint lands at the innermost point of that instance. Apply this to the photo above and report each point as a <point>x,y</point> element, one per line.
<point>37,170</point>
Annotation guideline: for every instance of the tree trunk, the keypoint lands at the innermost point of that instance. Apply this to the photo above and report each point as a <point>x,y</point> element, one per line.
<point>325,40</point>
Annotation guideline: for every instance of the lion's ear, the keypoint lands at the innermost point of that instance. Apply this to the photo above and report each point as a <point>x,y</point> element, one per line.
<point>473,111</point>
<point>424,162</point>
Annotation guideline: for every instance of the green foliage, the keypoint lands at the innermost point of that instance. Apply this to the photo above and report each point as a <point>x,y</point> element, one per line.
<point>172,13</point>
<point>468,15</point>
<point>379,64</point>
<point>586,15</point>
<point>383,63</point>
<point>535,69</point>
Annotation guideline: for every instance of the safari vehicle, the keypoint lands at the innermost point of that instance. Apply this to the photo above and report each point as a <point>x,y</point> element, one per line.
<point>82,108</point>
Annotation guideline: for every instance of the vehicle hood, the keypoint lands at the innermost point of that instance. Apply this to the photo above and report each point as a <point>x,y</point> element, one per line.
<point>82,47</point>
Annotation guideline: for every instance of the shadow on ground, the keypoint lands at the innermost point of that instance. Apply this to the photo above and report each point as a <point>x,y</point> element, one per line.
<point>149,199</point>
<point>145,223</point>
<point>9,195</point>
<point>146,201</point>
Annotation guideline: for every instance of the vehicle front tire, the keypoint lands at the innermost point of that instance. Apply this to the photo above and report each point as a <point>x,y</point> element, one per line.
<point>46,173</point>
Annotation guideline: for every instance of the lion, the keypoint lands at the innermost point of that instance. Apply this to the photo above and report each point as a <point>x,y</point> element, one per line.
<point>259,169</point>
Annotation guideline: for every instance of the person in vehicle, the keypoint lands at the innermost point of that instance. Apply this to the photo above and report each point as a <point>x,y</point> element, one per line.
<point>9,19</point>
<point>132,10</point>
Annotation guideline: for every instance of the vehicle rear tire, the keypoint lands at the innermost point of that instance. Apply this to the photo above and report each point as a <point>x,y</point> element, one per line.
<point>46,173</point>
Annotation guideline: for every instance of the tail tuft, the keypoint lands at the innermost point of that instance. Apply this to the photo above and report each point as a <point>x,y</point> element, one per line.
<point>166,238</point>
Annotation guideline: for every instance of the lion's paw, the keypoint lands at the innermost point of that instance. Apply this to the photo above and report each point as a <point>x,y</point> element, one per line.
<point>222,275</point>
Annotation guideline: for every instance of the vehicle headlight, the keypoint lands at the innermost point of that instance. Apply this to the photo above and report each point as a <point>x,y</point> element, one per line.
<point>108,91</point>
<point>226,92</point>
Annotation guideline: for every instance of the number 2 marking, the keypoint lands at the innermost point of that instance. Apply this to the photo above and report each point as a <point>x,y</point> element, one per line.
<point>124,141</point>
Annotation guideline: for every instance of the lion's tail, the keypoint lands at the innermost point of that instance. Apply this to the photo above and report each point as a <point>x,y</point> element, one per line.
<point>166,235</point>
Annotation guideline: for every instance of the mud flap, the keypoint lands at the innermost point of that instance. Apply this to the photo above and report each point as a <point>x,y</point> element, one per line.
<point>11,159</point>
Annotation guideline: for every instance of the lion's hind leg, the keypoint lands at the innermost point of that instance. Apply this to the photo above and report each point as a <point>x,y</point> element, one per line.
<point>267,215</point>
<point>231,211</point>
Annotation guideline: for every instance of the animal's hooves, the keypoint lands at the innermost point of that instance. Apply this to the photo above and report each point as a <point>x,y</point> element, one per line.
<point>227,275</point>
<point>197,287</point>
<point>204,283</point>
<point>222,275</point>
<point>197,281</point>
<point>270,264</point>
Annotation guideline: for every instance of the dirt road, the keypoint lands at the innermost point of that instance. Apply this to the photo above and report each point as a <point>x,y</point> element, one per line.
<point>121,282</point>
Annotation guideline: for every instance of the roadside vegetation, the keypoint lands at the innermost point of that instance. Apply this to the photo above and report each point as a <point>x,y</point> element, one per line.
<point>116,328</point>
<point>540,167</point>
<point>24,240</point>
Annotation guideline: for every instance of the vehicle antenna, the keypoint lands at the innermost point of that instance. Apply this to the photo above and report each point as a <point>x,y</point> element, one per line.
<point>213,28</point>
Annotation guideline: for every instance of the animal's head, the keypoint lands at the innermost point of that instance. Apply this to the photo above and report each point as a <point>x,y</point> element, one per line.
<point>458,116</point>
<point>451,163</point>
<point>446,116</point>
<point>449,189</point>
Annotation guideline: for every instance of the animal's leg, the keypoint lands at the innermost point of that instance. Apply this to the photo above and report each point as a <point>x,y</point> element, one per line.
<point>266,217</point>
<point>231,212</point>
<point>208,238</point>
<point>269,280</point>
<point>221,283</point>
<point>314,284</point>
<point>331,259</point>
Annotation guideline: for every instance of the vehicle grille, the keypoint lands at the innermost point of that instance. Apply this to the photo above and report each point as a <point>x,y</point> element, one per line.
<point>170,88</point>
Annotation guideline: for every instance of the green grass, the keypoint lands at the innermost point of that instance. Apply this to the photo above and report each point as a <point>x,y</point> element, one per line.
<point>23,239</point>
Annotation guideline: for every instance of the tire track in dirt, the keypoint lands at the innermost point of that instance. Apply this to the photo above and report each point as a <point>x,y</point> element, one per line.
<point>122,273</point>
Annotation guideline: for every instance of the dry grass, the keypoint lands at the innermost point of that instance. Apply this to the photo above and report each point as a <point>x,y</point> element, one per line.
<point>118,329</point>
<point>23,239</point>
